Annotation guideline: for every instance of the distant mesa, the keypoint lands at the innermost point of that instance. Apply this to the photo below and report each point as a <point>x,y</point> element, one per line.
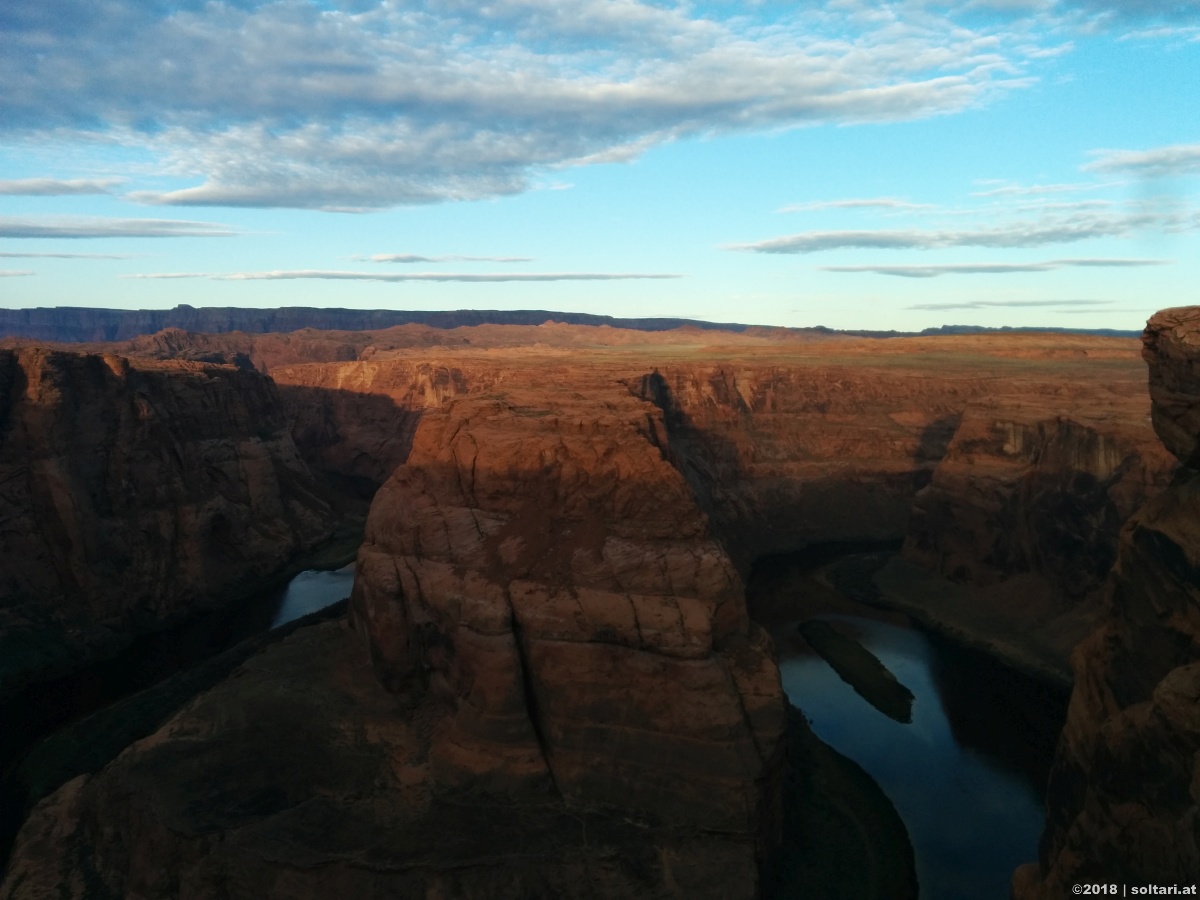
<point>81,324</point>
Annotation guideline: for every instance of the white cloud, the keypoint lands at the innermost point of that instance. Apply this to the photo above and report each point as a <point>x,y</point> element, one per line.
<point>371,104</point>
<point>14,273</point>
<point>993,268</point>
<point>1030,190</point>
<point>417,258</point>
<point>1178,159</point>
<point>48,187</point>
<point>856,203</point>
<point>14,255</point>
<point>1028,233</point>
<point>1088,305</point>
<point>283,275</point>
<point>94,227</point>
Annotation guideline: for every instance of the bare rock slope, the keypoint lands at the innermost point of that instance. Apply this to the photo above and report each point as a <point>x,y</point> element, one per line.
<point>133,492</point>
<point>1124,798</point>
<point>576,703</point>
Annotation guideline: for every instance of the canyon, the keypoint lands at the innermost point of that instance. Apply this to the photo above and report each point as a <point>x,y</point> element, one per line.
<point>549,681</point>
<point>1124,797</point>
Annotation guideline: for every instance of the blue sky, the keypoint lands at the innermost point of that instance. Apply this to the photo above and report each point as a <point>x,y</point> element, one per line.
<point>857,165</point>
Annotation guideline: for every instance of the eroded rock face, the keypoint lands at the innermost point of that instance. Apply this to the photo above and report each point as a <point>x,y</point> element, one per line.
<point>302,777</point>
<point>787,456</point>
<point>576,704</point>
<point>1172,348</point>
<point>133,492</point>
<point>357,420</point>
<point>540,566</point>
<point>1124,797</point>
<point>1024,490</point>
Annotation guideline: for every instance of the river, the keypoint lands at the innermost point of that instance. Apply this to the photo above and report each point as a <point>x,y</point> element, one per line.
<point>967,775</point>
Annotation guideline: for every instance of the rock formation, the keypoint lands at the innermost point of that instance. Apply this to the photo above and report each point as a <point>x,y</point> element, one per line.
<point>543,566</point>
<point>578,707</point>
<point>1037,487</point>
<point>1124,799</point>
<point>785,456</point>
<point>552,687</point>
<point>131,493</point>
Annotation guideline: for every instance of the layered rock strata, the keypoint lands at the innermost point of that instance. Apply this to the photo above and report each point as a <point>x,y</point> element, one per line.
<point>540,565</point>
<point>576,703</point>
<point>1037,487</point>
<point>133,492</point>
<point>788,456</point>
<point>1124,799</point>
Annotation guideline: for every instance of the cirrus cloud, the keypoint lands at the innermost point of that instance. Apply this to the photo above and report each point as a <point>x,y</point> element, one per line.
<point>408,258</point>
<point>1034,232</point>
<point>95,227</point>
<point>1178,159</point>
<point>334,275</point>
<point>995,268</point>
<point>53,187</point>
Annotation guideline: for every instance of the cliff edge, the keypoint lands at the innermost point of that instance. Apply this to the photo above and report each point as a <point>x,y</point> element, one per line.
<point>133,493</point>
<point>1124,798</point>
<point>552,689</point>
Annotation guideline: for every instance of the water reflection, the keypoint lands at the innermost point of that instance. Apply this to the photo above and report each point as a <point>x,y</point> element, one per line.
<point>973,815</point>
<point>313,590</point>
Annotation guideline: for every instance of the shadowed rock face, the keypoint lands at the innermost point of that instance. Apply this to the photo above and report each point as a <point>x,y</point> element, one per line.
<point>576,703</point>
<point>1022,490</point>
<point>131,493</point>
<point>1124,798</point>
<point>784,457</point>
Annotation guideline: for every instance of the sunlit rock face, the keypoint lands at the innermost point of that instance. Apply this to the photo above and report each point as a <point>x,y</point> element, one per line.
<point>551,689</point>
<point>1124,798</point>
<point>132,493</point>
<point>540,566</point>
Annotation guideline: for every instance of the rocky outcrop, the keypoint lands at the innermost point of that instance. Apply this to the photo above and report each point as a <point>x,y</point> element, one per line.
<point>1172,347</point>
<point>1035,489</point>
<point>788,456</point>
<point>576,703</point>
<point>541,566</point>
<point>132,493</point>
<point>1124,798</point>
<point>356,421</point>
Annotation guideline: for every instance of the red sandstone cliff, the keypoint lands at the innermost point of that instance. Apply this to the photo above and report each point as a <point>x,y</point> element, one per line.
<point>1041,490</point>
<point>579,704</point>
<point>1124,798</point>
<point>132,492</point>
<point>540,564</point>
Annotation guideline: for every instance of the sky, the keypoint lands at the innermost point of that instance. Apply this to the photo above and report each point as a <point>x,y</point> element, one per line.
<point>849,164</point>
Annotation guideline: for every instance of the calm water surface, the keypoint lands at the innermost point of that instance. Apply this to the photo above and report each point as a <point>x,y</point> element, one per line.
<point>967,775</point>
<point>313,590</point>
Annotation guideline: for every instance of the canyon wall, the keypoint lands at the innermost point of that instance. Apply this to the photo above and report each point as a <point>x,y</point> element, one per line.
<point>1039,485</point>
<point>1124,798</point>
<point>133,492</point>
<point>541,564</point>
<point>787,456</point>
<point>985,475</point>
<point>577,704</point>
